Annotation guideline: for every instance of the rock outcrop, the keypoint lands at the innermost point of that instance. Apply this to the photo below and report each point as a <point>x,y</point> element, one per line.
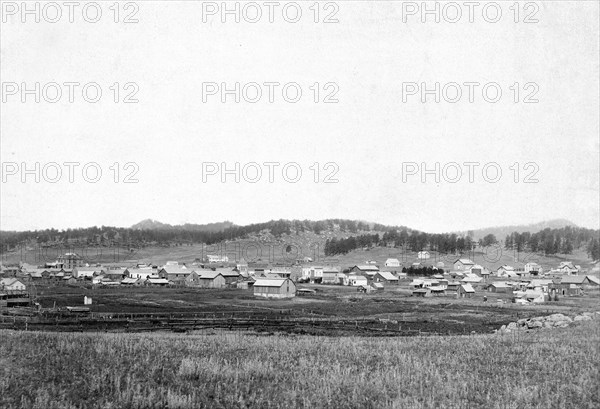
<point>549,321</point>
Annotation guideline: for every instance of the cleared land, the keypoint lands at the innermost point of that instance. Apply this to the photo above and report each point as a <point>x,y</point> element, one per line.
<point>557,368</point>
<point>332,310</point>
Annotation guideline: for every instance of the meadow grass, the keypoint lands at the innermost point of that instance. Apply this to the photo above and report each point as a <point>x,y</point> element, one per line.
<point>556,368</point>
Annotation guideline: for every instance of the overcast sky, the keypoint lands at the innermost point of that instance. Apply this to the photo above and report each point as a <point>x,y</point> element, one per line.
<point>375,138</point>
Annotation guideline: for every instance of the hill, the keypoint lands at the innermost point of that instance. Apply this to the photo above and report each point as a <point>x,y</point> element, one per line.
<point>502,231</point>
<point>150,224</point>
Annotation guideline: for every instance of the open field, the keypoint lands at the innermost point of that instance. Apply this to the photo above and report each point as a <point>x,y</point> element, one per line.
<point>557,368</point>
<point>332,310</point>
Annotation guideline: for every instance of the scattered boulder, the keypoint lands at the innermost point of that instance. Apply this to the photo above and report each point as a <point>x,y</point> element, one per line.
<point>558,318</point>
<point>550,321</point>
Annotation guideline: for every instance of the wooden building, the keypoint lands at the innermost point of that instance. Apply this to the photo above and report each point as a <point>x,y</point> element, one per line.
<point>274,288</point>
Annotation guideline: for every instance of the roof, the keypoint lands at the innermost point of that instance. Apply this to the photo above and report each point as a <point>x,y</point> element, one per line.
<point>115,271</point>
<point>539,282</point>
<point>367,267</point>
<point>89,268</point>
<point>471,279</point>
<point>437,288</point>
<point>573,279</point>
<point>226,272</point>
<point>129,280</point>
<point>467,288</point>
<point>208,274</point>
<point>269,282</point>
<point>173,269</point>
<point>500,284</point>
<point>306,290</point>
<point>388,276</point>
<point>157,280</point>
<point>507,268</point>
<point>465,261</point>
<point>392,260</point>
<point>377,285</point>
<point>594,280</point>
<point>10,281</point>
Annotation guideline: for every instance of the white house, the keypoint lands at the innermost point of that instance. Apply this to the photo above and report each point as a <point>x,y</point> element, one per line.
<point>463,264</point>
<point>423,255</point>
<point>11,284</point>
<point>313,273</point>
<point>476,269</point>
<point>392,262</point>
<point>211,258</point>
<point>533,268</point>
<point>355,280</point>
<point>567,267</point>
<point>506,271</point>
<point>143,273</point>
<point>87,272</point>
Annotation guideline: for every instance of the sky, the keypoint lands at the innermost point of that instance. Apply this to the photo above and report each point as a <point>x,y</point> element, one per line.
<point>357,133</point>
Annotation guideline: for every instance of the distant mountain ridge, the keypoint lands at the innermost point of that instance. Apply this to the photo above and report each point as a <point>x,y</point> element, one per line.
<point>150,224</point>
<point>502,231</point>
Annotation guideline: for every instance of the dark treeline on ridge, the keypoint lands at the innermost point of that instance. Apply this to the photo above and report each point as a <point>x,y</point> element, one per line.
<point>358,235</point>
<point>106,235</point>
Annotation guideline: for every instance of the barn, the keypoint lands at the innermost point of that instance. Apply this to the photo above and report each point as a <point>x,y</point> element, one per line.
<point>365,270</point>
<point>571,285</point>
<point>499,287</point>
<point>210,279</point>
<point>230,275</point>
<point>274,288</point>
<point>385,277</point>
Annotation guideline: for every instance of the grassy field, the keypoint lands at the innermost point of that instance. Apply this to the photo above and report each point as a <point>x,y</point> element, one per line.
<point>558,368</point>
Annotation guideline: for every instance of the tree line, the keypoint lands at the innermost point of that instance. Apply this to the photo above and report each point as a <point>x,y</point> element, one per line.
<point>549,241</point>
<point>554,241</point>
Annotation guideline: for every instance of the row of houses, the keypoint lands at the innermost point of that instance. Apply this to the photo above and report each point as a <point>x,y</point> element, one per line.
<point>527,290</point>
